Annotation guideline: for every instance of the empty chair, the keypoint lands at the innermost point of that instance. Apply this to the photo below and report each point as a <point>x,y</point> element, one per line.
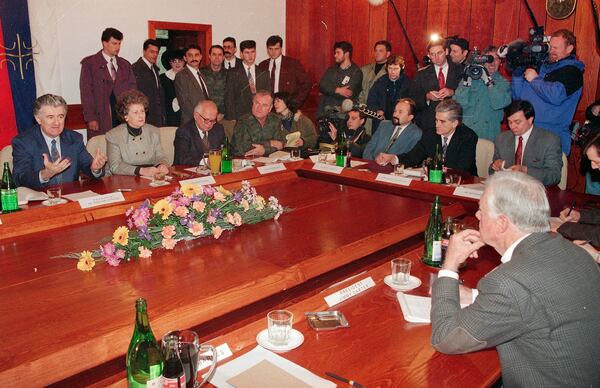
<point>484,155</point>
<point>167,137</point>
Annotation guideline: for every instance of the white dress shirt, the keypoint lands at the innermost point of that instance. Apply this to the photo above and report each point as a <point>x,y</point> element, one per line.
<point>114,62</point>
<point>525,137</point>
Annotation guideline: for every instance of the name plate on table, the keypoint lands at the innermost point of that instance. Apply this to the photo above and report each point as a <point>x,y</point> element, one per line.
<point>395,179</point>
<point>328,168</point>
<point>468,192</point>
<point>271,168</point>
<point>349,292</point>
<point>202,181</point>
<point>223,352</point>
<point>103,199</point>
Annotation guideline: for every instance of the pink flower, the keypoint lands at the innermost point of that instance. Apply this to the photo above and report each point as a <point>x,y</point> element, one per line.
<point>199,206</point>
<point>229,218</point>
<point>113,260</point>
<point>218,196</point>
<point>168,243</point>
<point>107,249</point>
<point>237,219</point>
<point>211,219</point>
<point>168,231</point>
<point>141,216</point>
<point>216,231</point>
<point>181,211</point>
<point>144,252</point>
<point>196,229</point>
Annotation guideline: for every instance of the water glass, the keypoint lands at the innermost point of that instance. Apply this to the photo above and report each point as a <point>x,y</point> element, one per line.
<point>279,326</point>
<point>295,153</point>
<point>399,169</point>
<point>323,156</point>
<point>401,271</point>
<point>54,194</point>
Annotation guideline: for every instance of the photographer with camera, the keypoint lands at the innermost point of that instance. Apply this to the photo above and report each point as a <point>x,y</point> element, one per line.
<point>556,89</point>
<point>354,132</point>
<point>483,99</point>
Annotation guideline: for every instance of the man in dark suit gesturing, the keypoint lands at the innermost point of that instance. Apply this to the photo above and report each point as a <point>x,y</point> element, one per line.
<point>456,141</point>
<point>526,148</point>
<point>190,84</point>
<point>198,136</point>
<point>287,74</point>
<point>540,308</point>
<point>434,83</point>
<point>148,82</point>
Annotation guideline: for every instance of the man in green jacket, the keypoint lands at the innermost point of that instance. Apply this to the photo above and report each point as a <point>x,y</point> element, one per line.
<point>258,133</point>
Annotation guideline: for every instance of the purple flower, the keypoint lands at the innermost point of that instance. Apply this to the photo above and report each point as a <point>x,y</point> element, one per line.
<point>143,232</point>
<point>237,196</point>
<point>208,190</point>
<point>216,213</point>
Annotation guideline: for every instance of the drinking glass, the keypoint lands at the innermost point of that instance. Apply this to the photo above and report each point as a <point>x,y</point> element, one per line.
<point>189,350</point>
<point>453,179</point>
<point>203,165</point>
<point>323,156</point>
<point>399,169</point>
<point>279,326</point>
<point>401,271</point>
<point>295,153</point>
<point>214,161</point>
<point>54,194</point>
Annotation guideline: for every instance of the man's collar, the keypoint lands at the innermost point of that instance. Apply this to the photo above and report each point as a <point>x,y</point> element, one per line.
<point>192,69</point>
<point>147,62</point>
<point>106,56</point>
<point>507,256</point>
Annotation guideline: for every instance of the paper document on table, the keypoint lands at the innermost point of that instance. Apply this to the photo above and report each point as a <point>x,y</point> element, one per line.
<point>260,368</point>
<point>280,156</point>
<point>78,196</point>
<point>474,190</point>
<point>415,308</point>
<point>416,172</point>
<point>25,194</point>
<point>292,138</point>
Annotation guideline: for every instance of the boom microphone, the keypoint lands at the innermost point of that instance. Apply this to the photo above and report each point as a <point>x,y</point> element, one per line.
<point>348,105</point>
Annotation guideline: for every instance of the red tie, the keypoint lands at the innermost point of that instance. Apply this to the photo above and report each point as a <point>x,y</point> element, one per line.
<point>441,79</point>
<point>519,152</point>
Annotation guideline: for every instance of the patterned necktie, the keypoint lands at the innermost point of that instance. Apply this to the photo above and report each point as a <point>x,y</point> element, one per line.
<point>112,70</point>
<point>519,152</point>
<point>204,138</point>
<point>273,76</point>
<point>394,137</point>
<point>54,151</point>
<point>251,82</point>
<point>441,79</point>
<point>444,145</point>
<point>202,85</point>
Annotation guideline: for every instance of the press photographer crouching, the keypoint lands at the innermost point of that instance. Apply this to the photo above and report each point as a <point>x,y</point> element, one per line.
<point>354,132</point>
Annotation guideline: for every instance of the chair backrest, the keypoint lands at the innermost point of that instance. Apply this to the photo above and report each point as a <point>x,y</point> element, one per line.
<point>6,156</point>
<point>228,126</point>
<point>484,153</point>
<point>96,142</point>
<point>563,173</point>
<point>167,137</point>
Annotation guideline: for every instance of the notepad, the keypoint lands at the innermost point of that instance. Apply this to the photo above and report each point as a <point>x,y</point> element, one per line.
<point>416,309</point>
<point>292,138</point>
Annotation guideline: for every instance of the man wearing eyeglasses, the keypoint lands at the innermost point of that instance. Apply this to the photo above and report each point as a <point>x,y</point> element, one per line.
<point>199,135</point>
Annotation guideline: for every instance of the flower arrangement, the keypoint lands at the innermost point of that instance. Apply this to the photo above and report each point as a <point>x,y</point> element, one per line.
<point>190,212</point>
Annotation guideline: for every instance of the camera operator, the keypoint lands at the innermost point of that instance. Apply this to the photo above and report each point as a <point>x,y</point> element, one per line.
<point>484,99</point>
<point>354,132</point>
<point>556,89</point>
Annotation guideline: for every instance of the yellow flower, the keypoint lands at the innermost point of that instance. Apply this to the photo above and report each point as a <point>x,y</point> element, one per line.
<point>86,261</point>
<point>121,235</point>
<point>223,191</point>
<point>259,203</point>
<point>145,252</point>
<point>164,208</point>
<point>189,190</point>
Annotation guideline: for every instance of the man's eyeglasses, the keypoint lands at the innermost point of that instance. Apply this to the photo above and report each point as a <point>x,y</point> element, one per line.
<point>207,120</point>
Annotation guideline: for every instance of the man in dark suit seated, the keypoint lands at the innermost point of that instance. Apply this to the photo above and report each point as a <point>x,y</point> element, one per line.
<point>287,74</point>
<point>396,136</point>
<point>526,148</point>
<point>434,83</point>
<point>147,79</point>
<point>199,135</point>
<point>456,141</point>
<point>540,308</point>
<point>47,154</point>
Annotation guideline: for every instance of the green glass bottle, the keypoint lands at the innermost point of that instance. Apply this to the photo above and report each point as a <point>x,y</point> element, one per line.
<point>8,191</point>
<point>341,152</point>
<point>226,159</point>
<point>436,169</point>
<point>145,361</point>
<point>433,235</point>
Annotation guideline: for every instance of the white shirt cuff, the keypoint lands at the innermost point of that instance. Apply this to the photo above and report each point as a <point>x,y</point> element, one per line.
<point>42,179</point>
<point>446,273</point>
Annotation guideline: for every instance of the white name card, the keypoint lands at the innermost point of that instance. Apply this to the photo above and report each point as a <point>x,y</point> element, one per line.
<point>223,352</point>
<point>202,181</point>
<point>328,168</point>
<point>468,192</point>
<point>395,179</point>
<point>349,292</point>
<point>103,199</point>
<point>271,168</point>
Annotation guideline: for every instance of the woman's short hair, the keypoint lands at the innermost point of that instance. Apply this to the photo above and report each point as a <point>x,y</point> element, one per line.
<point>287,100</point>
<point>128,98</point>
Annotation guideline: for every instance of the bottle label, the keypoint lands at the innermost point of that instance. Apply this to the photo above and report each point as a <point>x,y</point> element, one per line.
<point>435,176</point>
<point>173,382</point>
<point>436,251</point>
<point>155,383</point>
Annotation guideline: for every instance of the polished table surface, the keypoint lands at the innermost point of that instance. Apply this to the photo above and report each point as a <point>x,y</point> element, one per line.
<point>63,321</point>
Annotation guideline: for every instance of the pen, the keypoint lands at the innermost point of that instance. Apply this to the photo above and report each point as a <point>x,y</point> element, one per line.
<point>345,380</point>
<point>124,190</point>
<point>571,208</point>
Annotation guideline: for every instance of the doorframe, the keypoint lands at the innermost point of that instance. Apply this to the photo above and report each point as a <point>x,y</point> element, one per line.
<point>154,25</point>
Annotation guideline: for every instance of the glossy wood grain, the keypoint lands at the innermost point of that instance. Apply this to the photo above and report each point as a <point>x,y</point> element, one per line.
<point>77,320</point>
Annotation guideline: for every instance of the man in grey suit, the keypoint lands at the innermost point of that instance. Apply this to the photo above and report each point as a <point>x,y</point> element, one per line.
<point>190,85</point>
<point>526,148</point>
<point>540,308</point>
<point>394,137</point>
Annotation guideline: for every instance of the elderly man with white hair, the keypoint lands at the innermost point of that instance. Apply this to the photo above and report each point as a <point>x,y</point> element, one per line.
<point>540,308</point>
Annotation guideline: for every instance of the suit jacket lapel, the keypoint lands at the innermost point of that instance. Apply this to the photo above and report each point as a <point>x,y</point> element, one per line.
<point>530,147</point>
<point>197,140</point>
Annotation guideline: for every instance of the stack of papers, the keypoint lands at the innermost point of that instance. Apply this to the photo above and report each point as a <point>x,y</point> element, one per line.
<point>25,194</point>
<point>415,308</point>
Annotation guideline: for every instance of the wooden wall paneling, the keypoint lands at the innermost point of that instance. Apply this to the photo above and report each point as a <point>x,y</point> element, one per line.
<point>378,23</point>
<point>568,23</point>
<point>437,17</point>
<point>395,34</point>
<point>506,21</point>
<point>459,19</point>
<point>586,43</point>
<point>361,44</point>
<point>296,29</point>
<point>482,24</point>
<point>416,26</point>
<point>525,23</point>
<point>343,20</point>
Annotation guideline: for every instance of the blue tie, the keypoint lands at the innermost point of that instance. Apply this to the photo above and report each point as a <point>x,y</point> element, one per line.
<point>54,151</point>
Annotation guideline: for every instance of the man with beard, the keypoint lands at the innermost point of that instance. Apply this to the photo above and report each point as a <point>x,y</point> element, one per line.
<point>190,84</point>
